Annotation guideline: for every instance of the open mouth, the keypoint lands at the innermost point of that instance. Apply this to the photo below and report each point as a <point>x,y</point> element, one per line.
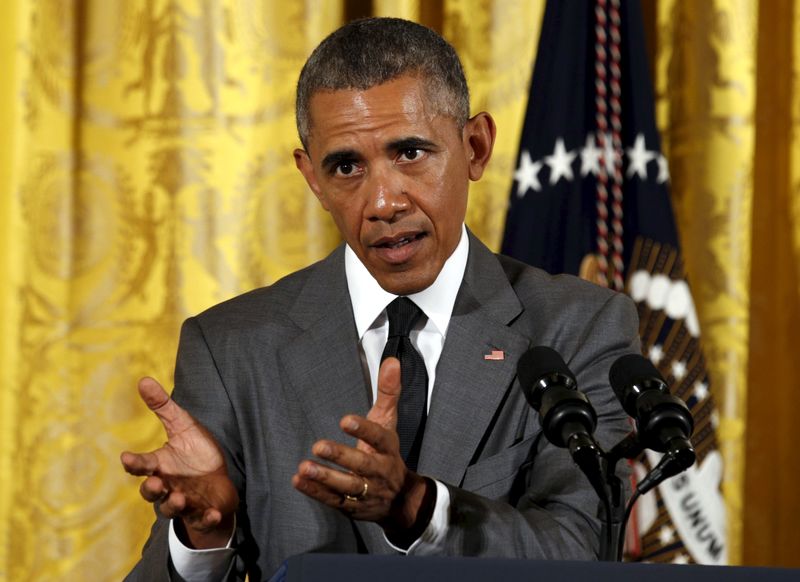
<point>401,242</point>
<point>399,249</point>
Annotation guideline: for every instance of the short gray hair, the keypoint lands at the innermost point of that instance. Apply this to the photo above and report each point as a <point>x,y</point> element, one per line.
<point>372,51</point>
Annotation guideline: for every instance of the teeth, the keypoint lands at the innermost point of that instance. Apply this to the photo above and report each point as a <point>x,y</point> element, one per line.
<point>399,243</point>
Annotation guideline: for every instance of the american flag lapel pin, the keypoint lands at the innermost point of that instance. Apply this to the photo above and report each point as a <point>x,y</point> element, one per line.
<point>495,355</point>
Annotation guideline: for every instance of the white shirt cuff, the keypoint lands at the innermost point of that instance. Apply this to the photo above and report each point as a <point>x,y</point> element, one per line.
<point>432,539</point>
<point>199,565</point>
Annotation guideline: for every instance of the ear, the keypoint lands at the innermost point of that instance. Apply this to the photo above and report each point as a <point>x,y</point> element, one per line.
<point>479,136</point>
<point>303,163</point>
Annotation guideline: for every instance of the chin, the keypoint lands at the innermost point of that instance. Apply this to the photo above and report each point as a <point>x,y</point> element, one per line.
<point>405,284</point>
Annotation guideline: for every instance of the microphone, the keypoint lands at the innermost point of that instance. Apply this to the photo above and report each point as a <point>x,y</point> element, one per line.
<point>568,419</point>
<point>663,421</point>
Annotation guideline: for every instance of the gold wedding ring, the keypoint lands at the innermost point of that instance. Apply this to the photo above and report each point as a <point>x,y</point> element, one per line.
<point>360,496</point>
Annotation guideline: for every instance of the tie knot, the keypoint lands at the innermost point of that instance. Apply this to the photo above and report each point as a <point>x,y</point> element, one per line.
<point>403,314</point>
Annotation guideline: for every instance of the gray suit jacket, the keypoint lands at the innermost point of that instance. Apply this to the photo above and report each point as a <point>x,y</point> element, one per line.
<point>272,371</point>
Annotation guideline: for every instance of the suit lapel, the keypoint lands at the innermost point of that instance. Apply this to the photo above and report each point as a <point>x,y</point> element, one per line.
<point>322,363</point>
<point>469,388</point>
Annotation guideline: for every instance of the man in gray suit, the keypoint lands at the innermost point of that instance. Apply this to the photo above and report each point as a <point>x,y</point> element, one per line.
<point>282,435</point>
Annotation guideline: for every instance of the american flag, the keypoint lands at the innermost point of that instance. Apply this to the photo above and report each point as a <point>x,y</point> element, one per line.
<point>591,197</point>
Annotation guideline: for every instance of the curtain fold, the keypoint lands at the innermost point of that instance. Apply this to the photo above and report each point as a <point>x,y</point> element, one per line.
<point>705,79</point>
<point>770,501</point>
<point>10,120</point>
<point>406,9</point>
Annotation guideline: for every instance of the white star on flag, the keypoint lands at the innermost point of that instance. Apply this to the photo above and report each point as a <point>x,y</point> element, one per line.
<point>655,353</point>
<point>527,175</point>
<point>638,157</point>
<point>663,169</point>
<point>679,370</point>
<point>590,157</point>
<point>701,390</point>
<point>560,162</point>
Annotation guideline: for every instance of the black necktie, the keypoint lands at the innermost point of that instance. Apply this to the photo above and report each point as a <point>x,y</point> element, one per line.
<point>411,410</point>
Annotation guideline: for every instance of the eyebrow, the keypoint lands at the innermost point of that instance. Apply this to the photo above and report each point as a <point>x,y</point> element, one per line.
<point>410,143</point>
<point>333,159</point>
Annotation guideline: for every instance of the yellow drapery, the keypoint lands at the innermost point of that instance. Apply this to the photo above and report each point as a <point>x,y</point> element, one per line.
<point>150,176</point>
<point>705,84</point>
<point>146,173</point>
<point>728,106</point>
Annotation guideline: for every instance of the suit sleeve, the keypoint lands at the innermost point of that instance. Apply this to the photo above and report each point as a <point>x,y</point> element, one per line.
<point>554,513</point>
<point>199,390</point>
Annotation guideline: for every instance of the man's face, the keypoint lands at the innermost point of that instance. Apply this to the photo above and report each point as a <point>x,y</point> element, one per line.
<point>394,175</point>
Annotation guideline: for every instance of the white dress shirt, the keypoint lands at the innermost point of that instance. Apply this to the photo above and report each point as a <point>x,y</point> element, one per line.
<point>369,301</point>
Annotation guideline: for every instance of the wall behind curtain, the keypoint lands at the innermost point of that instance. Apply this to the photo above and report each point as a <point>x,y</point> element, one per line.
<point>146,173</point>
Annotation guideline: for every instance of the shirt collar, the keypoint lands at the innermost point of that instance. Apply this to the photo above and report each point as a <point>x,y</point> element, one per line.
<point>369,299</point>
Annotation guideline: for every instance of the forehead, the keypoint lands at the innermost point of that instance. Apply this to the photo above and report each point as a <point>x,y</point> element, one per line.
<point>397,108</point>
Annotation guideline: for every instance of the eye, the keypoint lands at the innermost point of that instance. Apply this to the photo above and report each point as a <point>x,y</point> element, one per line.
<point>410,154</point>
<point>345,169</point>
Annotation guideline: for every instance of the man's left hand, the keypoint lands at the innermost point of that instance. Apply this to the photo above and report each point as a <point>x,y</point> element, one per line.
<point>371,482</point>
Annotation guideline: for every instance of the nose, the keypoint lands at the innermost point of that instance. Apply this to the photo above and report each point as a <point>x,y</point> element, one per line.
<point>387,194</point>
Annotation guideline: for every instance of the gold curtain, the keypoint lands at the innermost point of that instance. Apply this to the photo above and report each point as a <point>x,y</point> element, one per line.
<point>705,79</point>
<point>728,106</point>
<point>149,176</point>
<point>146,173</point>
<point>770,501</point>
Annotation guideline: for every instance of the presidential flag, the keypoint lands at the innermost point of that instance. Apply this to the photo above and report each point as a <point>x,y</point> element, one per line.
<point>591,197</point>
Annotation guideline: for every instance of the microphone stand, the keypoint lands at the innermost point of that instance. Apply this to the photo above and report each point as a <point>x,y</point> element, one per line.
<point>617,520</point>
<point>601,470</point>
<point>613,521</point>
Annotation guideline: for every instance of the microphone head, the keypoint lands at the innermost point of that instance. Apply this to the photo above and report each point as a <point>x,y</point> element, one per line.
<point>630,376</point>
<point>539,368</point>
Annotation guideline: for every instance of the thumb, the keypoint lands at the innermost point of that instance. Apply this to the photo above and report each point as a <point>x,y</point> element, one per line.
<point>384,411</point>
<point>174,418</point>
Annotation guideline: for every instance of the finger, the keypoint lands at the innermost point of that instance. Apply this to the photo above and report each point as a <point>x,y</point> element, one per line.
<point>172,505</point>
<point>153,489</point>
<point>384,411</point>
<point>139,464</point>
<point>381,439</point>
<point>348,458</point>
<point>338,481</point>
<point>320,492</point>
<point>174,418</point>
<point>211,518</point>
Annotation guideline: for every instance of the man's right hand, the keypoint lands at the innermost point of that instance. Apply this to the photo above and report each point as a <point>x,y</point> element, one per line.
<point>187,475</point>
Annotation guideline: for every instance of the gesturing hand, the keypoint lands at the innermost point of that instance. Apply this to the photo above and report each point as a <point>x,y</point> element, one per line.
<point>394,495</point>
<point>187,474</point>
